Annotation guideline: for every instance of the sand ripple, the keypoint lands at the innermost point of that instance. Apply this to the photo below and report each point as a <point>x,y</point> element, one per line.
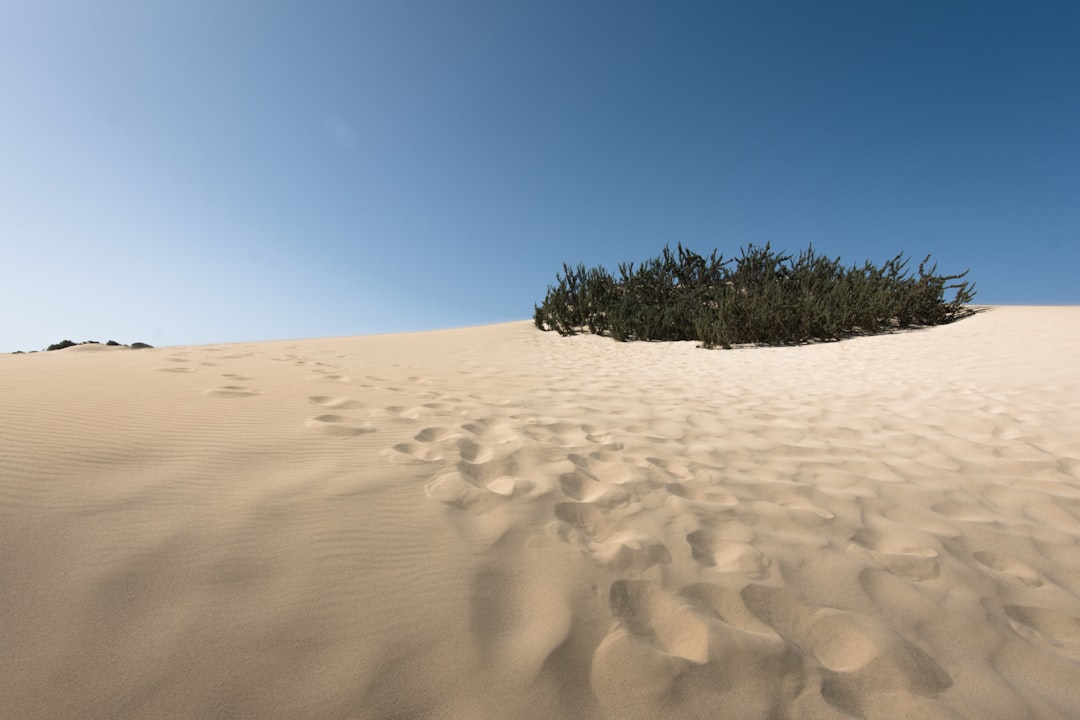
<point>494,522</point>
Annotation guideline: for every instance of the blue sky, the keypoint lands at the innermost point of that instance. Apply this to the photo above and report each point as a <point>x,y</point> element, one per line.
<point>196,172</point>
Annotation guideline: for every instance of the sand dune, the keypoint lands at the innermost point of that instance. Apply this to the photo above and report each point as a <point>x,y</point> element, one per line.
<point>501,523</point>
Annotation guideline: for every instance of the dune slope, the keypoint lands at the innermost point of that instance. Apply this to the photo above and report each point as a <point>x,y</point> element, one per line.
<point>501,523</point>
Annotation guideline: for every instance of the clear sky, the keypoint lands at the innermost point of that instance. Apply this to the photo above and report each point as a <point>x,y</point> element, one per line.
<point>203,171</point>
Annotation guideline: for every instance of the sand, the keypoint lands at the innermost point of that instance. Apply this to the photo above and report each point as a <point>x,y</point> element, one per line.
<point>496,522</point>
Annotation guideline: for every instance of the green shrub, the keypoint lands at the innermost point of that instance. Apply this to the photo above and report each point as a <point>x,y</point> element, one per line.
<point>760,297</point>
<point>61,345</point>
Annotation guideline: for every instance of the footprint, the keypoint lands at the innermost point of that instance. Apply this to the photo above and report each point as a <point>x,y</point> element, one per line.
<point>707,495</point>
<point>337,425</point>
<point>1048,628</point>
<point>676,656</point>
<point>674,468</point>
<point>968,512</point>
<point>233,391</point>
<point>804,505</point>
<point>435,434</point>
<point>586,519</point>
<point>629,551</point>
<point>501,476</point>
<point>858,654</point>
<point>631,679</point>
<point>1009,566</point>
<point>176,369</point>
<point>605,543</point>
<point>413,413</point>
<point>325,377</point>
<point>454,490</point>
<point>728,606</point>
<point>334,403</point>
<point>474,452</point>
<point>486,473</point>
<point>423,453</point>
<point>925,520</point>
<point>902,555</point>
<point>727,556</point>
<point>517,621</point>
<point>580,485</point>
<point>1050,514</point>
<point>595,435</point>
<point>838,643</point>
<point>650,613</point>
<point>491,431</point>
<point>507,486</point>
<point>782,612</point>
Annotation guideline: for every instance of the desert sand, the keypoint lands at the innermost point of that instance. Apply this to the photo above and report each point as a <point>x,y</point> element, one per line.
<point>496,522</point>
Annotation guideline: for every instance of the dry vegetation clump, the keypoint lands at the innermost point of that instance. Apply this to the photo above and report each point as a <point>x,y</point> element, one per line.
<point>63,344</point>
<point>761,297</point>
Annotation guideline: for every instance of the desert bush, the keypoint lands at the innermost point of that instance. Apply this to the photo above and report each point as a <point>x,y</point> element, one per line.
<point>759,297</point>
<point>111,343</point>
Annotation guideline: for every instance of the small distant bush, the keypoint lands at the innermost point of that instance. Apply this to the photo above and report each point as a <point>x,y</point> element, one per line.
<point>112,343</point>
<point>761,297</point>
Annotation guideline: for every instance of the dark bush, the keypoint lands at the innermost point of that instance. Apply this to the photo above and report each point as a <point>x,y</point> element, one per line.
<point>760,297</point>
<point>111,343</point>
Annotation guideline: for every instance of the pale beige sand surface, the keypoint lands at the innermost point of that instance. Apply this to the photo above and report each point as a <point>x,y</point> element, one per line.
<point>501,523</point>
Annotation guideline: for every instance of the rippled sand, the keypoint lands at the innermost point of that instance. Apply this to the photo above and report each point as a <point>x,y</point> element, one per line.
<point>500,523</point>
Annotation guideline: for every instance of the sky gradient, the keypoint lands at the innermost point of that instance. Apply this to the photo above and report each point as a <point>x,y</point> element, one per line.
<point>198,172</point>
